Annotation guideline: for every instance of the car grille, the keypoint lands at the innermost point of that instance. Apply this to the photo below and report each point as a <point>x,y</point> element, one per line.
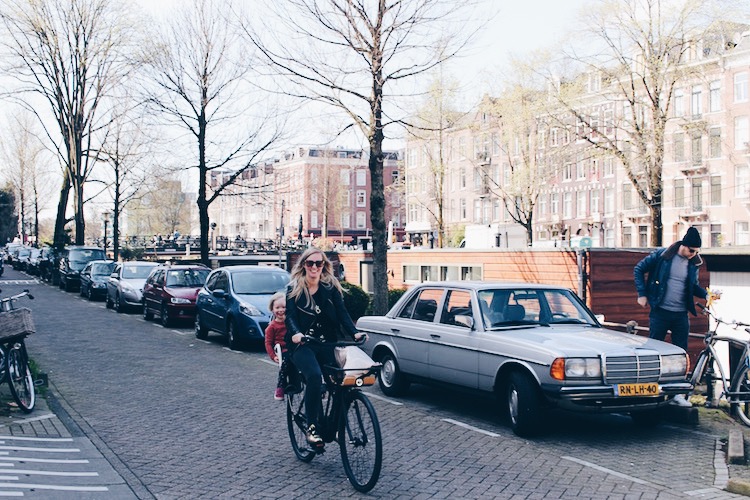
<point>632,369</point>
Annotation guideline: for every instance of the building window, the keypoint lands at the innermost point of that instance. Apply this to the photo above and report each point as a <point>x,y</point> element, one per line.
<point>740,87</point>
<point>679,193</point>
<point>741,235</point>
<point>696,148</point>
<point>716,236</point>
<point>695,102</point>
<point>627,237</point>
<point>361,220</point>
<point>581,170</point>
<point>314,219</point>
<point>594,205</point>
<point>642,236</point>
<point>627,196</point>
<point>714,96</point>
<point>361,198</point>
<point>314,175</point>
<point>678,146</point>
<point>346,220</point>
<point>462,205</point>
<point>542,205</point>
<point>495,143</point>
<point>609,167</point>
<point>395,176</point>
<point>679,105</point>
<point>362,177</point>
<point>553,137</point>
<point>697,195</point>
<point>568,205</point>
<point>462,178</point>
<point>742,181</point>
<point>478,211</point>
<point>714,142</point>
<point>741,132</point>
<point>554,204</point>
<point>715,190</point>
<point>462,147</point>
<point>609,201</point>
<point>609,238</point>
<point>567,172</point>
<point>344,177</point>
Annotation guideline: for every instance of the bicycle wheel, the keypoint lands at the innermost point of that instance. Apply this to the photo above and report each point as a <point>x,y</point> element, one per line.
<point>296,422</point>
<point>360,442</point>
<point>740,394</point>
<point>19,378</point>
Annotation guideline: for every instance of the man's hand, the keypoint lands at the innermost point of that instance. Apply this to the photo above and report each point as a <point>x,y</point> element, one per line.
<point>642,301</point>
<point>360,336</point>
<point>297,338</point>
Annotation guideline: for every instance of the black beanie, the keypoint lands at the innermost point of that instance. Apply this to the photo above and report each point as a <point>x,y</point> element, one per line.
<point>692,238</point>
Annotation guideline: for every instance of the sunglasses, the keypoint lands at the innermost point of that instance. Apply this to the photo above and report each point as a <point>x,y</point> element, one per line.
<point>311,263</point>
<point>692,250</point>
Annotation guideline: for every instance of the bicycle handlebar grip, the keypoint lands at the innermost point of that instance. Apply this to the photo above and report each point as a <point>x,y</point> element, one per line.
<point>700,305</point>
<point>30,296</point>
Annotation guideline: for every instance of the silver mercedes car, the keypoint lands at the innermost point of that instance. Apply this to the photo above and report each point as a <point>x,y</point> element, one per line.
<point>533,346</point>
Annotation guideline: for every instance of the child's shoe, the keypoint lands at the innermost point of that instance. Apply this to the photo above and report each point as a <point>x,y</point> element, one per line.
<point>279,394</point>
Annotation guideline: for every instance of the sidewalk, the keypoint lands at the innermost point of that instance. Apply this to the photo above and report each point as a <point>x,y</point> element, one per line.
<point>41,422</point>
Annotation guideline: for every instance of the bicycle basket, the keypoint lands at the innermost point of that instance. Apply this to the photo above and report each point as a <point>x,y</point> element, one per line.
<point>16,322</point>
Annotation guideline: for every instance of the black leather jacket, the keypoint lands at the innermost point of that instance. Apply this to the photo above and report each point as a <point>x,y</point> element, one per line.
<point>301,317</point>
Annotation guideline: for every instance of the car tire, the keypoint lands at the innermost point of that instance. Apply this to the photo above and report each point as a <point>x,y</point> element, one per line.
<point>81,291</point>
<point>68,286</point>
<point>119,306</point>
<point>61,283</point>
<point>165,319</point>
<point>201,332</point>
<point>232,341</point>
<point>392,381</point>
<point>108,303</point>
<point>524,404</point>
<point>90,294</point>
<point>147,314</point>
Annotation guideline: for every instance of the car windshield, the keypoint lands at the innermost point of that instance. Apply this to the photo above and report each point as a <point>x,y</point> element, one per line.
<point>103,269</point>
<point>259,282</point>
<point>136,272</point>
<point>80,257</point>
<point>514,307</point>
<point>187,277</point>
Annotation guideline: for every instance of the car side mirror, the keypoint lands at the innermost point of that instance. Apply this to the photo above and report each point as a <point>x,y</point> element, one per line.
<point>599,318</point>
<point>219,293</point>
<point>463,320</point>
<point>113,275</point>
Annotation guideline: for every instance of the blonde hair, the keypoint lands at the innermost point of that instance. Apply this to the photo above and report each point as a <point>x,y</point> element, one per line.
<point>299,284</point>
<point>276,296</point>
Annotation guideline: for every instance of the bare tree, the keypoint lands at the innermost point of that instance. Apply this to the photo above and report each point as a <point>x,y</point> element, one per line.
<point>636,56</point>
<point>200,82</point>
<point>358,56</point>
<point>69,52</point>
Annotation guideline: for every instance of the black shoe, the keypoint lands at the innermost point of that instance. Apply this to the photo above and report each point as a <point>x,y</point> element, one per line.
<point>313,437</point>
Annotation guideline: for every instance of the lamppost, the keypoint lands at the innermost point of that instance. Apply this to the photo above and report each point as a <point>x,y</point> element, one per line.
<point>106,223</point>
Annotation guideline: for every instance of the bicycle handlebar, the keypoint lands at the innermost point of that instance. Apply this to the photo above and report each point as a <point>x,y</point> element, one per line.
<point>25,293</point>
<point>734,323</point>
<point>345,343</point>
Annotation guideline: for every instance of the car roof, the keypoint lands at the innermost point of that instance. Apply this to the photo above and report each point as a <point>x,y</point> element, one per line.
<point>252,269</point>
<point>483,285</point>
<point>185,266</point>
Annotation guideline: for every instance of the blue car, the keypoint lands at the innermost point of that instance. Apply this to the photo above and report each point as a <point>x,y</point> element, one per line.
<point>234,302</point>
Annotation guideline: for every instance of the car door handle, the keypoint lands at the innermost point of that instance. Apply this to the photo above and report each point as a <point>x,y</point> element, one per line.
<point>434,336</point>
<point>395,330</point>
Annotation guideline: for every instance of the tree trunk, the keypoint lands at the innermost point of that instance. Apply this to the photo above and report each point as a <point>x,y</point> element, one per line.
<point>377,201</point>
<point>59,239</point>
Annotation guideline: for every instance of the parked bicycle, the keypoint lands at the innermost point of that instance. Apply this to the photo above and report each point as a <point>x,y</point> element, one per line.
<point>348,418</point>
<point>738,390</point>
<point>15,325</point>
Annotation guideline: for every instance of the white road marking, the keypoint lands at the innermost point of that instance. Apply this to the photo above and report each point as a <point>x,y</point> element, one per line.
<point>46,440</point>
<point>387,400</point>
<point>612,472</point>
<point>231,350</point>
<point>50,450</point>
<point>8,478</point>
<point>178,332</point>
<point>45,460</point>
<point>54,487</point>
<point>55,473</point>
<point>268,361</point>
<point>11,493</point>
<point>27,420</point>
<point>470,427</point>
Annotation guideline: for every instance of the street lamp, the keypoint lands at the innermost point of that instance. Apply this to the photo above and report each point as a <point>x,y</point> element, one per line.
<point>106,223</point>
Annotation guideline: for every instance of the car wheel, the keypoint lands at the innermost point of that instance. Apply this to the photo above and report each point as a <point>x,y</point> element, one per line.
<point>201,332</point>
<point>90,294</point>
<point>107,302</point>
<point>392,381</point>
<point>61,283</point>
<point>232,341</point>
<point>68,286</point>
<point>81,291</point>
<point>524,403</point>
<point>147,314</point>
<point>119,306</point>
<point>646,418</point>
<point>165,320</point>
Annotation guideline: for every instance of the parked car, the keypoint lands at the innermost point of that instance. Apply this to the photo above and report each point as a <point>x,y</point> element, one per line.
<point>2,264</point>
<point>10,249</point>
<point>94,278</point>
<point>72,260</point>
<point>125,284</point>
<point>20,257</point>
<point>49,261</point>
<point>234,302</point>
<point>32,262</point>
<point>171,291</point>
<point>533,346</point>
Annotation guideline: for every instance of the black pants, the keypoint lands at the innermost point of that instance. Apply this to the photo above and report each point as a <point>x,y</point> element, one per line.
<point>308,359</point>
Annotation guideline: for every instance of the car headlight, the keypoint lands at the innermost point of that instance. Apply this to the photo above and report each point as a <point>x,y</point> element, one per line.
<point>569,368</point>
<point>179,300</point>
<point>674,364</point>
<point>127,288</point>
<point>250,310</point>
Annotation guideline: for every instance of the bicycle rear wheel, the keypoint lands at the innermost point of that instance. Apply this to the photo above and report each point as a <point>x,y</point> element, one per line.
<point>296,422</point>
<point>19,378</point>
<point>740,394</point>
<point>360,442</point>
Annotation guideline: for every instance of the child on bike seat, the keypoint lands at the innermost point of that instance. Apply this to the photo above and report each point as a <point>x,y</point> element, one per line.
<point>275,332</point>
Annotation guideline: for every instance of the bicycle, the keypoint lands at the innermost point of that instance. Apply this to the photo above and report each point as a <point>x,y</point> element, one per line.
<point>348,417</point>
<point>15,325</point>
<point>738,393</point>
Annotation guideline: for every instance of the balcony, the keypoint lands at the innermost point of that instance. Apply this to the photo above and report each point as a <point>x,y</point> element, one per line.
<point>694,214</point>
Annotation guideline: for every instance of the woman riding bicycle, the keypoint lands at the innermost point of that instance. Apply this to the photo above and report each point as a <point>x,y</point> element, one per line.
<point>315,307</point>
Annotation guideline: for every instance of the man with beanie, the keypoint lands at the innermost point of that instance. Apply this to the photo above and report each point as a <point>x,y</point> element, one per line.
<point>669,289</point>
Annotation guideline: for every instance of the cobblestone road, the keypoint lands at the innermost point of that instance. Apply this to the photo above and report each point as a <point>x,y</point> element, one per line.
<point>182,418</point>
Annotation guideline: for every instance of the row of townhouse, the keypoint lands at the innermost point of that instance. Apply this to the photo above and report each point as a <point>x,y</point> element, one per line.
<point>324,191</point>
<point>706,169</point>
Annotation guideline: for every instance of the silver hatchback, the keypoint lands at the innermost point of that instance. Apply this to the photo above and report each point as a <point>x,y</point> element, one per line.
<point>533,346</point>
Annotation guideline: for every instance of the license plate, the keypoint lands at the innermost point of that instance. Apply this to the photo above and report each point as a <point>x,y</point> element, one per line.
<point>637,389</point>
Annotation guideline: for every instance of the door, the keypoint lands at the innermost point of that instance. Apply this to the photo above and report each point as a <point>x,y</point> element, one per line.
<point>411,331</point>
<point>453,351</point>
<point>215,308</point>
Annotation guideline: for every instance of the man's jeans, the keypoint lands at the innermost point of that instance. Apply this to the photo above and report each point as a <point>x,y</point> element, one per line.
<point>661,321</point>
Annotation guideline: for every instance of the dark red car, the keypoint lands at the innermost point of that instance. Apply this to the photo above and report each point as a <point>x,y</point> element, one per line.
<point>170,292</point>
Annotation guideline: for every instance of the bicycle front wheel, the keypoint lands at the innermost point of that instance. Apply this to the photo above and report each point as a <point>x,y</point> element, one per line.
<point>19,378</point>
<point>360,442</point>
<point>296,422</point>
<point>740,394</point>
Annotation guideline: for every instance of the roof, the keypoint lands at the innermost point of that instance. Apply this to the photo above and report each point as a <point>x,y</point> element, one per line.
<point>483,285</point>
